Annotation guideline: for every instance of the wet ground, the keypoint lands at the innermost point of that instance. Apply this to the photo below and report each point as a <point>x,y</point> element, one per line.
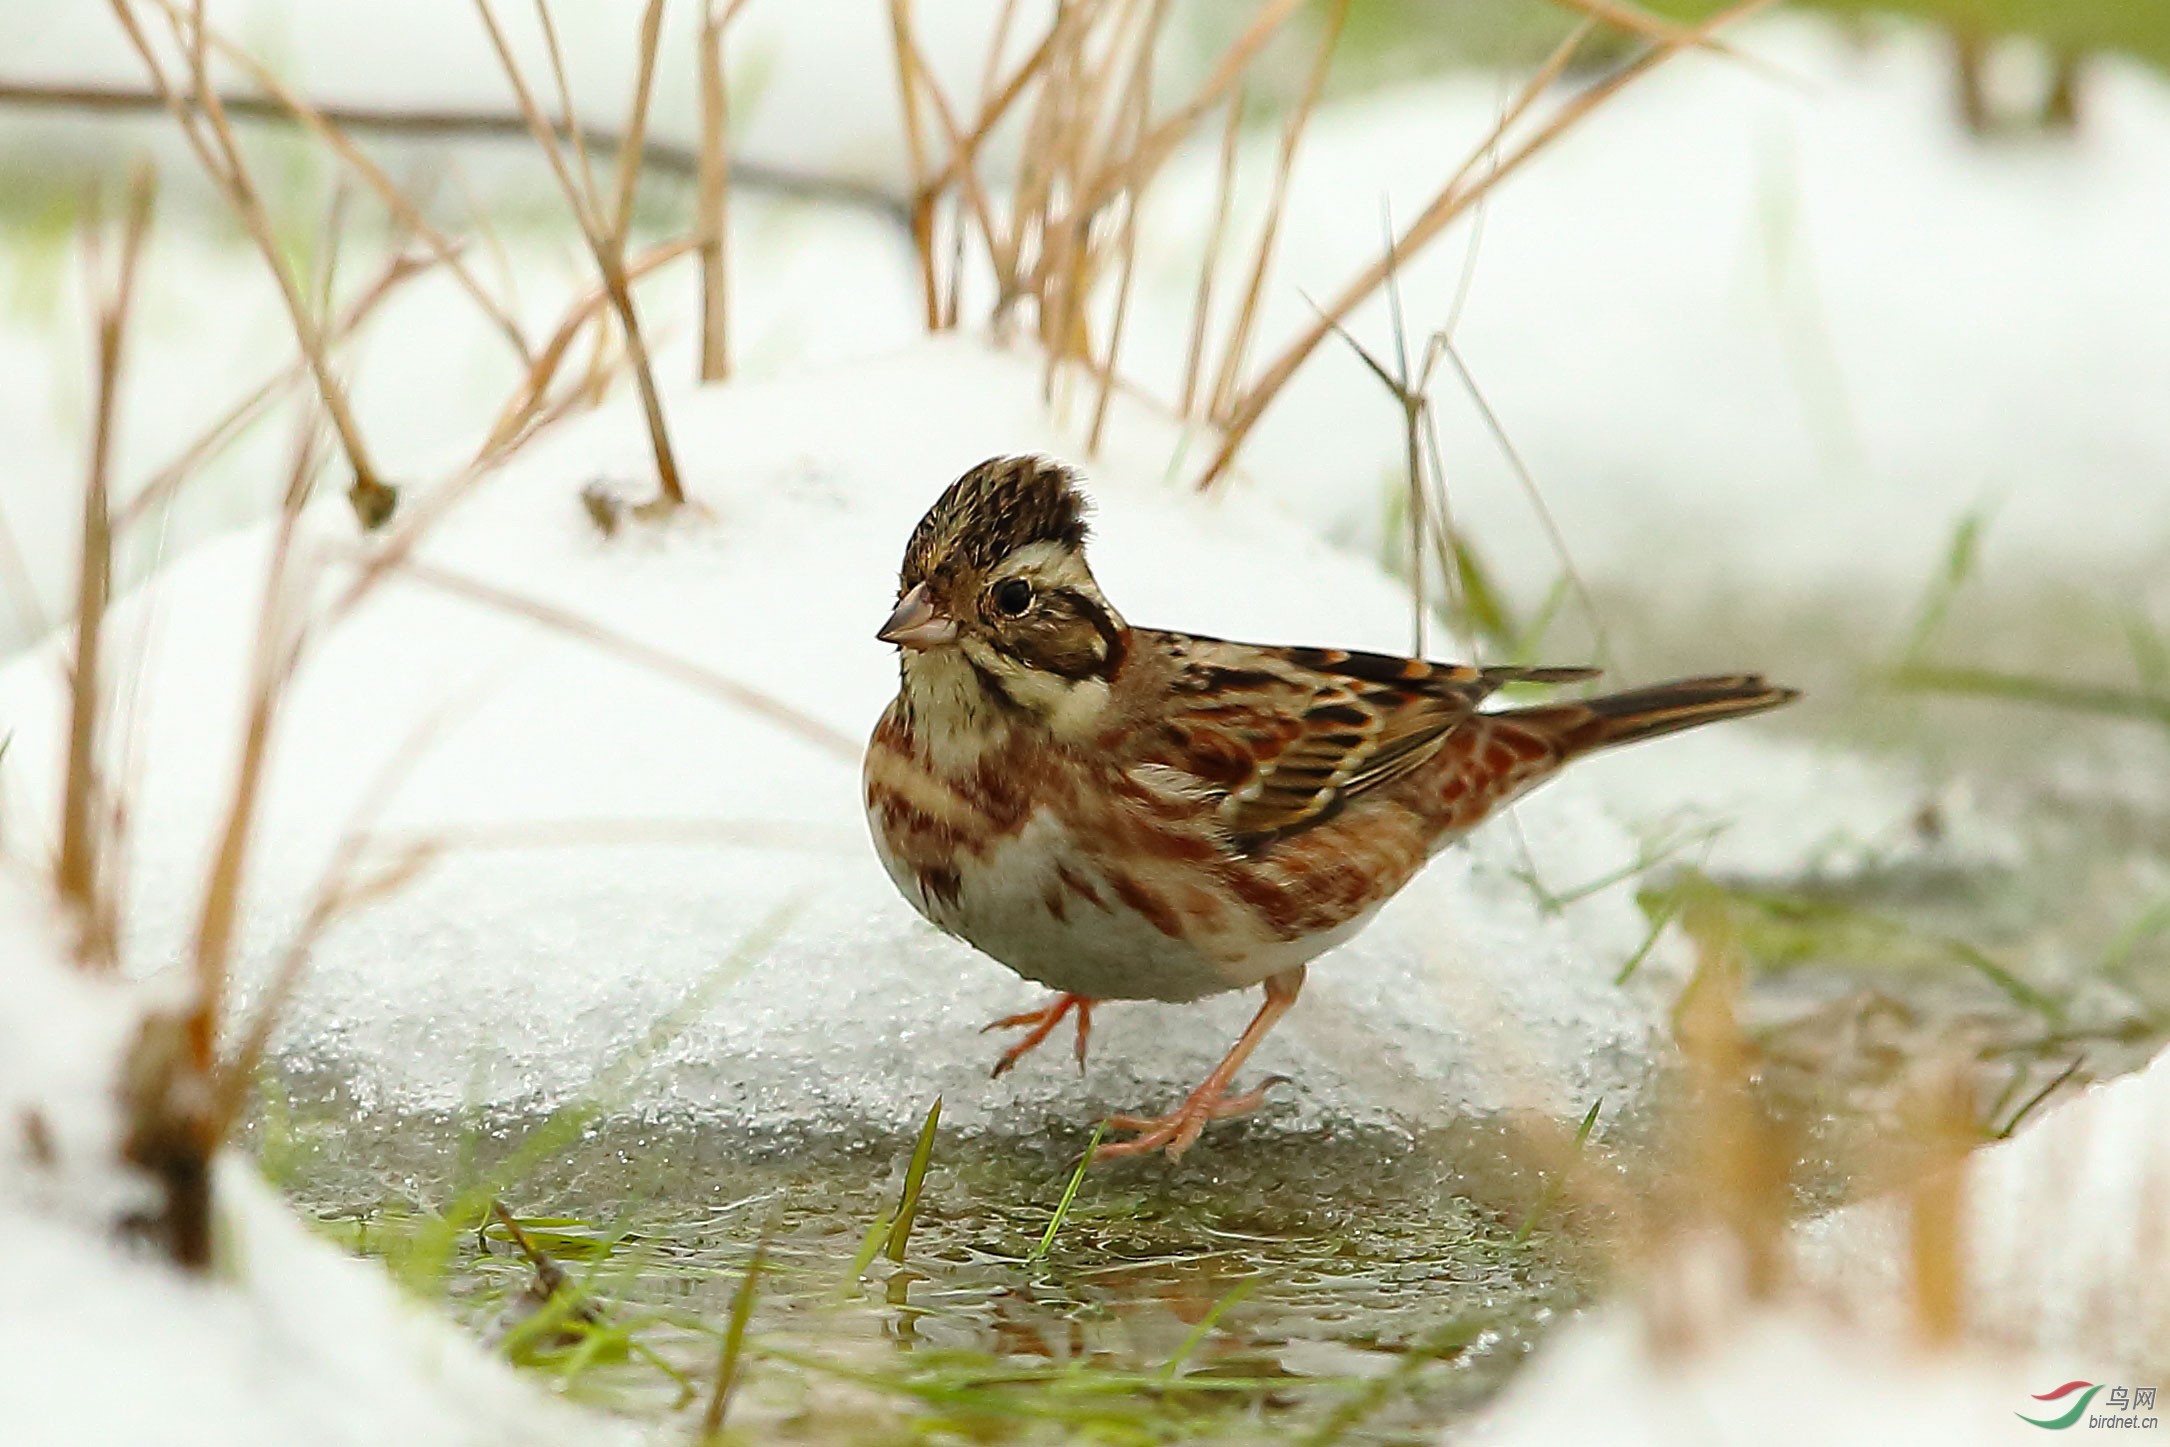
<point>1267,1288</point>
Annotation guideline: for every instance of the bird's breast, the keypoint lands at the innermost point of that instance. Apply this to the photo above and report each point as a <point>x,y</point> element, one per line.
<point>1081,881</point>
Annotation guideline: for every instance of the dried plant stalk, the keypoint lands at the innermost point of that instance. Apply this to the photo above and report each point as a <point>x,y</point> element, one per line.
<point>713,201</point>
<point>1210,264</point>
<point>1239,342</point>
<point>83,805</point>
<point>605,245</point>
<point>1467,186</point>
<point>318,123</point>
<point>219,153</point>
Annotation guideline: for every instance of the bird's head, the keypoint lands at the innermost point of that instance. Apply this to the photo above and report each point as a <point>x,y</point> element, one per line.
<point>995,581</point>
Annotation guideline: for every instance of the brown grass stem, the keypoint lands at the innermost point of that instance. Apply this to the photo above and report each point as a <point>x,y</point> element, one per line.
<point>1475,178</point>
<point>83,795</point>
<point>219,153</point>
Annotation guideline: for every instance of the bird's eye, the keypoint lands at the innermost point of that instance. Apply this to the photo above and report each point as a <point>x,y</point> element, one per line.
<point>1013,596</point>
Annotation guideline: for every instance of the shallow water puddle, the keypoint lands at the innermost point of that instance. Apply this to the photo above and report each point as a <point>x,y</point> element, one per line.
<point>1265,1288</point>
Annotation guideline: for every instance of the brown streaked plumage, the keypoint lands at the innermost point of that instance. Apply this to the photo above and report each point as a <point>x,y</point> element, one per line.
<point>1128,813</point>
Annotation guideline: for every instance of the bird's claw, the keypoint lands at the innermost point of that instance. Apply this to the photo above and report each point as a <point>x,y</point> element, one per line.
<point>1179,1130</point>
<point>1038,1025</point>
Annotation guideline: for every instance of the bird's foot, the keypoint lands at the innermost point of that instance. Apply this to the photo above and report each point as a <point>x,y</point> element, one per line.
<point>1177,1131</point>
<point>1042,1023</point>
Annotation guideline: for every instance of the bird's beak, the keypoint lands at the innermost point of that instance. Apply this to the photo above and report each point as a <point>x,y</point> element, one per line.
<point>915,624</point>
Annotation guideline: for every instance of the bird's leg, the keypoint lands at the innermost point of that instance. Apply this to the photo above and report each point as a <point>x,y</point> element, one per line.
<point>1211,1101</point>
<point>1043,1022</point>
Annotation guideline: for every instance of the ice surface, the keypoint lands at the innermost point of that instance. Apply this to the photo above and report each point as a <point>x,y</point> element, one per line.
<point>530,966</point>
<point>291,1342</point>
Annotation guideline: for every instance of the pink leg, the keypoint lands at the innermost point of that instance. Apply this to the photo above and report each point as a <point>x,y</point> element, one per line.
<point>1178,1130</point>
<point>1043,1022</point>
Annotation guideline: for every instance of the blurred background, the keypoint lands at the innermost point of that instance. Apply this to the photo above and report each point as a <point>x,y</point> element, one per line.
<point>1768,334</point>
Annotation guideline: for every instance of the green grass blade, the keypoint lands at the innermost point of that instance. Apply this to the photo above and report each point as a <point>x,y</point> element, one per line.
<point>1205,1325</point>
<point>915,1177</point>
<point>1069,1195</point>
<point>1960,558</point>
<point>2027,1107</point>
<point>730,1358</point>
<point>1551,1192</point>
<point>2026,688</point>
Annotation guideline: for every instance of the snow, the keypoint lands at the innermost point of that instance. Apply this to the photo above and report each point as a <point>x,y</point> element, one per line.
<point>289,1340</point>
<point>65,1035</point>
<point>1788,311</point>
<point>539,956</point>
<point>2063,1232</point>
<point>285,1340</point>
<point>1766,1376</point>
<point>2065,1229</point>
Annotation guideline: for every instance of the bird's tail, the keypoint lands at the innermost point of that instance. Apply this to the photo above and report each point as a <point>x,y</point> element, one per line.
<point>1644,713</point>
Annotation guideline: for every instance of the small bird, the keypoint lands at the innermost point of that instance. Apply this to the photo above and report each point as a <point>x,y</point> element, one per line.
<point>1132,814</point>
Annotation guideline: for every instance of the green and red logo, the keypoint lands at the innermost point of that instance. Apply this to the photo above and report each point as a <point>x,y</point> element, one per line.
<point>2087,1392</point>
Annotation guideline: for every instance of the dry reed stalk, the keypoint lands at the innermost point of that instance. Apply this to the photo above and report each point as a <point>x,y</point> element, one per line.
<point>994,110</point>
<point>1070,262</point>
<point>975,193</point>
<point>399,268</point>
<point>515,421</point>
<point>1238,346</point>
<point>575,134</point>
<point>1461,191</point>
<point>1227,72</point>
<point>922,196</point>
<point>220,156</point>
<point>606,246</point>
<point>401,207</point>
<point>77,872</point>
<point>713,197</point>
<point>280,636</point>
<point>1943,1131</point>
<point>1210,264</point>
<point>636,135</point>
<point>1138,102</point>
<point>1741,1167</point>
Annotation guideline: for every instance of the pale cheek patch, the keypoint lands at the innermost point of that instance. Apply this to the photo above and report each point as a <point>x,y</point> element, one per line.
<point>1065,706</point>
<point>1077,715</point>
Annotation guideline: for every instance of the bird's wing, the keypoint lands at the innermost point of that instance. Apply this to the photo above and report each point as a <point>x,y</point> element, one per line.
<point>1285,735</point>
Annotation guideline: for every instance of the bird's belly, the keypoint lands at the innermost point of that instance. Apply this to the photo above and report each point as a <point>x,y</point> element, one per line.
<point>1054,913</point>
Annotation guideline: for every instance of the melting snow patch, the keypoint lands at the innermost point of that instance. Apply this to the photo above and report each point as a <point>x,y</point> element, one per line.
<point>654,895</point>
